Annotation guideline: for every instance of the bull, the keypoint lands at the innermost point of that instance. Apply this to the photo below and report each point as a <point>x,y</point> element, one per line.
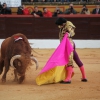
<point>16,52</point>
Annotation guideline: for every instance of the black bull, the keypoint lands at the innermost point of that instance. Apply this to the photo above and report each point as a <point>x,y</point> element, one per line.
<point>16,52</point>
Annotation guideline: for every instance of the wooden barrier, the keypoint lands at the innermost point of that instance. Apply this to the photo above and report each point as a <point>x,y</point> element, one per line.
<point>87,26</point>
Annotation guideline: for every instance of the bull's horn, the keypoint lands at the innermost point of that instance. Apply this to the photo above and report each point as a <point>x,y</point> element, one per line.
<point>13,58</point>
<point>35,60</point>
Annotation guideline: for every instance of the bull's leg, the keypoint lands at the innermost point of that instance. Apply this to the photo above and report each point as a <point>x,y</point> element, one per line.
<point>6,64</point>
<point>1,66</point>
<point>21,79</point>
<point>15,73</point>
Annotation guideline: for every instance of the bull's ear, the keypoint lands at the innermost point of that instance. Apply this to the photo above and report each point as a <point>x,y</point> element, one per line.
<point>19,63</point>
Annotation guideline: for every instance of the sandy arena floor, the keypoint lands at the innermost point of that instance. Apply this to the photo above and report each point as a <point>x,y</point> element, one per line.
<point>77,90</point>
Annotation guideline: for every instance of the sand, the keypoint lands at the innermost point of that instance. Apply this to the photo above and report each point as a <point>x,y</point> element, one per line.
<point>77,90</point>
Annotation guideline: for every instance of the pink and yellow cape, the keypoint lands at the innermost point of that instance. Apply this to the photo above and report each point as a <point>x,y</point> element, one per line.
<point>54,71</point>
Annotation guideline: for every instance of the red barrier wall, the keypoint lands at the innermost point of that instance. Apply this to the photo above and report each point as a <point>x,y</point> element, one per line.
<point>87,26</point>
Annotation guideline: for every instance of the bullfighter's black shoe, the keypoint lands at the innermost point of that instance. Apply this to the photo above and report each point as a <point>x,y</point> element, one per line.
<point>84,80</point>
<point>61,81</point>
<point>65,82</point>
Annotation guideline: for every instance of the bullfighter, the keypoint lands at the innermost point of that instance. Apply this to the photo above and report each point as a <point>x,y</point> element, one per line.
<point>67,26</point>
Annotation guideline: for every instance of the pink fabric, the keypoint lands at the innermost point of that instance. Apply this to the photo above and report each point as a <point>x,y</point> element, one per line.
<point>70,71</point>
<point>83,72</point>
<point>60,56</point>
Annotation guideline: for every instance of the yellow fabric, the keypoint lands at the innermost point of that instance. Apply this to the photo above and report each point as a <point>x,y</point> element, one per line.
<point>54,75</point>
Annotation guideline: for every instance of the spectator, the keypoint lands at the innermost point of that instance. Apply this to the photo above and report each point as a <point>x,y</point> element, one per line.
<point>57,11</point>
<point>55,0</point>
<point>70,10</point>
<point>0,7</point>
<point>45,0</point>
<point>36,12</point>
<point>62,0</point>
<point>66,1</point>
<point>85,10</point>
<point>41,0</point>
<point>25,10</point>
<point>31,0</point>
<point>20,10</point>
<point>5,9</point>
<point>46,12</point>
<point>34,0</point>
<point>25,0</point>
<point>96,10</point>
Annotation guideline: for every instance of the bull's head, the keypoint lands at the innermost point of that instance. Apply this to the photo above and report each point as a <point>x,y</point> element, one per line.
<point>21,66</point>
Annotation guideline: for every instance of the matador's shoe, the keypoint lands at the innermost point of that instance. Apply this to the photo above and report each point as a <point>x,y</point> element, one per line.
<point>65,82</point>
<point>84,80</point>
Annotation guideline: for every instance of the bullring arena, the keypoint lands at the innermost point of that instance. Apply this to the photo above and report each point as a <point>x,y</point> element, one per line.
<point>77,90</point>
<point>44,41</point>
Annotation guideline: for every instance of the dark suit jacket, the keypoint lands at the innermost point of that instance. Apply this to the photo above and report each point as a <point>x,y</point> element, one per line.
<point>6,10</point>
<point>94,11</point>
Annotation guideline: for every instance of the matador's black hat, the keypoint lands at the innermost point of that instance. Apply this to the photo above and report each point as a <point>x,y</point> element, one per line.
<point>60,21</point>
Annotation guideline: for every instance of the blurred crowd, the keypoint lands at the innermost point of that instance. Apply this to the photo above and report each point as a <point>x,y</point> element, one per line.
<point>56,0</point>
<point>23,10</point>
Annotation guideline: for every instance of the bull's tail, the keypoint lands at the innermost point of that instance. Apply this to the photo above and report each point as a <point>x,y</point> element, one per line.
<point>36,52</point>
